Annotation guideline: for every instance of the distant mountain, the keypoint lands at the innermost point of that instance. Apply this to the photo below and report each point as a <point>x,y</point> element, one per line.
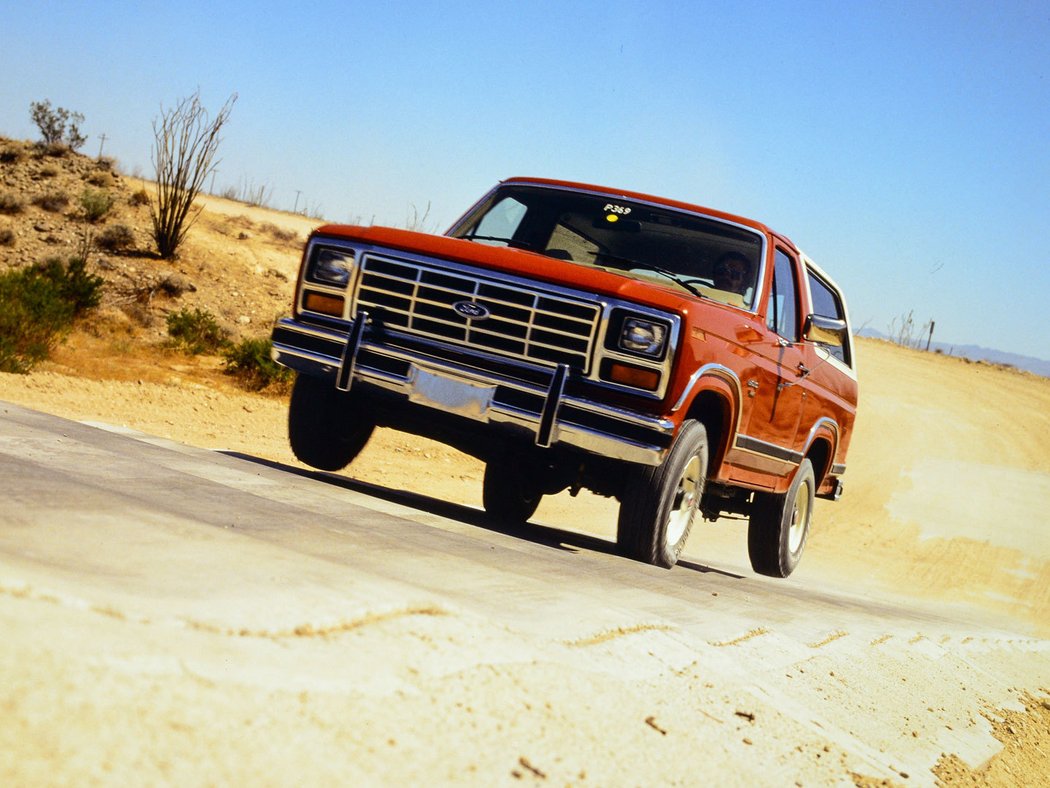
<point>1038,366</point>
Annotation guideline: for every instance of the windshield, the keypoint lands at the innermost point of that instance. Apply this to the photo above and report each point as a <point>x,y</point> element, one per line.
<point>704,256</point>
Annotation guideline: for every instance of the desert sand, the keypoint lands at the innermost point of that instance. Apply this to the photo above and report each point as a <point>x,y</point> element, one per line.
<point>946,508</point>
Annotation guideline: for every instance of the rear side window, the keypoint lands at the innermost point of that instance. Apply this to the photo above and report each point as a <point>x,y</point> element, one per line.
<point>828,303</point>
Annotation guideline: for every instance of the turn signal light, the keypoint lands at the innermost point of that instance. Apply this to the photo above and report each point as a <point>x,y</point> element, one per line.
<point>637,377</point>
<point>323,303</point>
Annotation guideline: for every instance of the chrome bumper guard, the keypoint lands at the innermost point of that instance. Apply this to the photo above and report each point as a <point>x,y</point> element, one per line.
<point>359,356</point>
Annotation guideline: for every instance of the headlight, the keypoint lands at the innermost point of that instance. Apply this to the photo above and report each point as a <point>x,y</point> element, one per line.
<point>332,266</point>
<point>639,335</point>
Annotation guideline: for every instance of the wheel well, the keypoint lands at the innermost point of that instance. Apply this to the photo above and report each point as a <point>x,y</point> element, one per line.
<point>819,455</point>
<point>713,411</point>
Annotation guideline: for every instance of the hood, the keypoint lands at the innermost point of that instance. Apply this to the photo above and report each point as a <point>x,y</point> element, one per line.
<point>519,262</point>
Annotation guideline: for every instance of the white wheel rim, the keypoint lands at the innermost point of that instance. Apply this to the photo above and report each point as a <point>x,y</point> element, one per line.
<point>799,519</point>
<point>686,501</point>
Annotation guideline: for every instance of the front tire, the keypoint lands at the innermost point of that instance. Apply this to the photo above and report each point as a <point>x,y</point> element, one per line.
<point>779,527</point>
<point>660,503</point>
<point>326,427</point>
<point>508,494</point>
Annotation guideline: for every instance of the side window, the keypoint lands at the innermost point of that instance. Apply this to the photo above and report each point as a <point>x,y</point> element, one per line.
<point>782,315</point>
<point>827,303</point>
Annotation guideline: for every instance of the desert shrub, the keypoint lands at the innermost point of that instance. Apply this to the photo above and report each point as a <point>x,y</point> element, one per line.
<point>420,223</point>
<point>48,171</point>
<point>278,234</point>
<point>7,236</point>
<point>139,312</point>
<point>10,156</point>
<point>252,194</point>
<point>37,307</point>
<point>183,156</point>
<point>908,334</point>
<point>140,197</point>
<point>100,178</point>
<point>96,204</point>
<point>32,318</point>
<point>10,203</point>
<point>53,201</point>
<point>59,128</point>
<point>80,289</point>
<point>316,211</point>
<point>250,362</point>
<point>196,331</point>
<point>115,238</point>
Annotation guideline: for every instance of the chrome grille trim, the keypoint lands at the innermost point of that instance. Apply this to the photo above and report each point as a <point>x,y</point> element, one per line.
<point>525,322</point>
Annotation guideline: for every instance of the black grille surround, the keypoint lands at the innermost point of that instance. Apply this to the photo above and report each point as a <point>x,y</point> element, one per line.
<point>519,320</point>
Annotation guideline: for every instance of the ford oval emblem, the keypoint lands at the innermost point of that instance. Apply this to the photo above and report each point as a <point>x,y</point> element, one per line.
<point>471,310</point>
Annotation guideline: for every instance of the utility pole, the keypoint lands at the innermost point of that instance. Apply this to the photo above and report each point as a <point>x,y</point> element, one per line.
<point>930,337</point>
<point>103,138</point>
<point>296,208</point>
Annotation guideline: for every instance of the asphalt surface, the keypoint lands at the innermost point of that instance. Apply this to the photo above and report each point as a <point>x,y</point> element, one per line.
<point>114,513</point>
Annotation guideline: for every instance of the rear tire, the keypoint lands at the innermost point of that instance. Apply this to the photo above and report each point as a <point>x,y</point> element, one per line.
<point>326,427</point>
<point>660,503</point>
<point>508,494</point>
<point>779,527</point>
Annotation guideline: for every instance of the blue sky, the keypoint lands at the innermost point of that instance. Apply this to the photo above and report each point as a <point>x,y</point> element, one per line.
<point>905,146</point>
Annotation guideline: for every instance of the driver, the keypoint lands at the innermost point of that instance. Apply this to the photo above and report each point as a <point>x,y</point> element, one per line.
<point>732,273</point>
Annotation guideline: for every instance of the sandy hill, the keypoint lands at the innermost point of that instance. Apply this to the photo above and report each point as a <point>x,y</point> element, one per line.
<point>237,261</point>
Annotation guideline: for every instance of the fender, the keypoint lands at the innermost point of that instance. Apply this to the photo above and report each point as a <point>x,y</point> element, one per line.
<point>824,427</point>
<point>724,382</point>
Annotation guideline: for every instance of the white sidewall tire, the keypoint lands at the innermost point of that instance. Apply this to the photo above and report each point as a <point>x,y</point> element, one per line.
<point>660,503</point>
<point>780,525</point>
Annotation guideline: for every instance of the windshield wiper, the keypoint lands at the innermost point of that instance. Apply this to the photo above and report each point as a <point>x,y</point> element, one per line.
<point>676,278</point>
<point>511,242</point>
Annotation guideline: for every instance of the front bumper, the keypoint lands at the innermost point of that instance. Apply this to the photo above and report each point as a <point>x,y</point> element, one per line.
<point>507,395</point>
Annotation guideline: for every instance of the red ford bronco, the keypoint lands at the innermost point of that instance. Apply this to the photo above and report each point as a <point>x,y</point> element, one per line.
<point>676,358</point>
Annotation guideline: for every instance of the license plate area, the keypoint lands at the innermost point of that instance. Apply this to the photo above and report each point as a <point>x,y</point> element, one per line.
<point>451,395</point>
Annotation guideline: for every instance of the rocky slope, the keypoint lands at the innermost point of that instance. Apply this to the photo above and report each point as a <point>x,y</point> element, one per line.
<point>236,266</point>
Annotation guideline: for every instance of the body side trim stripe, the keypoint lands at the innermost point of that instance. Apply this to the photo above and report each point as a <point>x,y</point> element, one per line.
<point>756,446</point>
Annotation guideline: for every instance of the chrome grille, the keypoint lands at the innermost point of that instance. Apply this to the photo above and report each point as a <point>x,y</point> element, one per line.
<point>524,322</point>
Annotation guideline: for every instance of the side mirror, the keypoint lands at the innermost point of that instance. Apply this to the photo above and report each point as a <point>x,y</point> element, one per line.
<point>826,330</point>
